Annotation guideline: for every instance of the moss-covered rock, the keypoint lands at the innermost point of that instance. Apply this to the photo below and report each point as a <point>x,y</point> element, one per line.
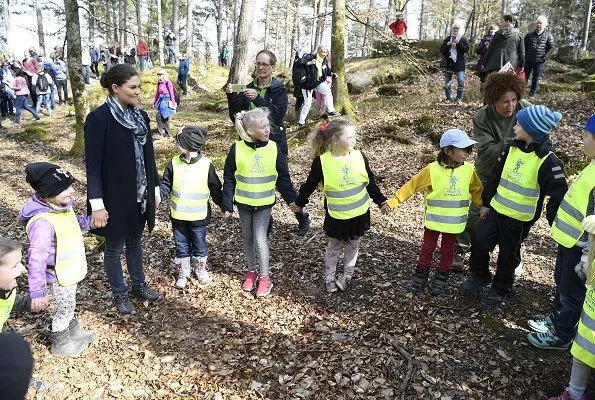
<point>432,47</point>
<point>388,90</point>
<point>362,73</point>
<point>550,87</point>
<point>589,84</point>
<point>567,54</point>
<point>34,132</point>
<point>576,75</point>
<point>555,67</point>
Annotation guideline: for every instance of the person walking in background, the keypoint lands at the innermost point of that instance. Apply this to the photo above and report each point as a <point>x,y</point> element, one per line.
<point>42,83</point>
<point>61,80</point>
<point>21,90</point>
<point>539,45</point>
<point>86,64</point>
<point>507,46</point>
<point>453,50</point>
<point>142,51</point>
<point>481,50</point>
<point>399,27</point>
<point>95,58</point>
<point>183,70</point>
<point>224,55</point>
<point>165,103</point>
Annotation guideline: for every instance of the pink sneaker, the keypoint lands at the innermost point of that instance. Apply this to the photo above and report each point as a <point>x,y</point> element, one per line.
<point>249,281</point>
<point>566,396</point>
<point>264,286</point>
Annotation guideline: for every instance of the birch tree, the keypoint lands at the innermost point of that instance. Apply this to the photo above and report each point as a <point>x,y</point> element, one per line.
<point>239,60</point>
<point>341,95</point>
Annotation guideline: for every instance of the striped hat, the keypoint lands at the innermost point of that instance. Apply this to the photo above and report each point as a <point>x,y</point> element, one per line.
<point>538,121</point>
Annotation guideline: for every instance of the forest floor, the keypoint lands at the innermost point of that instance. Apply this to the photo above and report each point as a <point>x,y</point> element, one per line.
<point>217,342</point>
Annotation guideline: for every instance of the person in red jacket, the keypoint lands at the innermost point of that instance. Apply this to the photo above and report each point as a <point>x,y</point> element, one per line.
<point>399,27</point>
<point>142,51</point>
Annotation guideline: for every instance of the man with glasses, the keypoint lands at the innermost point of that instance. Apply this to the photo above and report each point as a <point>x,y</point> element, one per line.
<point>266,91</point>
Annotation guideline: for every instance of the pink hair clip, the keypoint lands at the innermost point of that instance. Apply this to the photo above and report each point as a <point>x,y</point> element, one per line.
<point>323,126</point>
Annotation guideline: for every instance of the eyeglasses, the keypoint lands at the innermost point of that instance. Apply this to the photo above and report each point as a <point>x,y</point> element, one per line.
<point>159,74</point>
<point>262,65</point>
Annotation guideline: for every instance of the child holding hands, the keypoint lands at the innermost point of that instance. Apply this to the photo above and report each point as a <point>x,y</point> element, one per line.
<point>347,184</point>
<point>448,183</point>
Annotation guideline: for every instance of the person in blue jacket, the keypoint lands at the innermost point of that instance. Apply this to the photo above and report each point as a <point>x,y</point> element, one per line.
<point>183,70</point>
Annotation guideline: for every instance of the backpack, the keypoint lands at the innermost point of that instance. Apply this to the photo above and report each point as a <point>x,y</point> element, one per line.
<point>42,83</point>
<point>303,75</point>
<point>176,93</point>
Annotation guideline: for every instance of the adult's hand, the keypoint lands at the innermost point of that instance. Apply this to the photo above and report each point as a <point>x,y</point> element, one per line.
<point>250,94</point>
<point>228,215</point>
<point>99,218</point>
<point>227,88</point>
<point>157,201</point>
<point>589,224</point>
<point>40,303</point>
<point>483,212</point>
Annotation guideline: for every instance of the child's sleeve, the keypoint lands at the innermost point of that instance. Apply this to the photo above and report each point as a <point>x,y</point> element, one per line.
<point>372,188</point>
<point>41,235</point>
<point>476,189</point>
<point>491,185</point>
<point>84,222</point>
<point>552,182</point>
<point>420,181</point>
<point>229,179</point>
<point>308,187</point>
<point>215,186</point>
<point>167,180</point>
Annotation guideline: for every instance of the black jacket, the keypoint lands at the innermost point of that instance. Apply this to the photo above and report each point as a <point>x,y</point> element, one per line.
<point>462,48</point>
<point>111,173</point>
<point>213,182</point>
<point>550,178</point>
<point>507,45</point>
<point>284,185</point>
<point>275,99</point>
<point>538,47</point>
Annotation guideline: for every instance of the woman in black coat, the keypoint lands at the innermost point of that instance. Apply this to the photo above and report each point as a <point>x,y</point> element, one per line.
<point>122,181</point>
<point>453,52</point>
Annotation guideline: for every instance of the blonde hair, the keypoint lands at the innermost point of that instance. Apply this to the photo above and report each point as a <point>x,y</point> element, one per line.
<point>164,73</point>
<point>246,119</point>
<point>323,138</point>
<point>543,20</point>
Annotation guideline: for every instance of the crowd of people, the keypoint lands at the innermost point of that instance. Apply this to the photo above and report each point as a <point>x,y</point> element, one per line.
<point>471,208</point>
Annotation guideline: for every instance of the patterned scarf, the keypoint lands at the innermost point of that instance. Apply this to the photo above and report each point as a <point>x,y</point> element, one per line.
<point>133,120</point>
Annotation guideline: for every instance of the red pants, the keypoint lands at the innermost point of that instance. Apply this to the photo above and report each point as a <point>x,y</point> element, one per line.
<point>447,246</point>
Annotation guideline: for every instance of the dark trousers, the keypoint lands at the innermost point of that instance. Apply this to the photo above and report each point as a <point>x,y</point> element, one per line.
<point>6,106</point>
<point>95,68</point>
<point>182,78</point>
<point>535,69</point>
<point>428,245</point>
<point>570,292</point>
<point>112,262</point>
<point>62,88</point>
<point>506,233</point>
<point>163,125</point>
<point>190,240</point>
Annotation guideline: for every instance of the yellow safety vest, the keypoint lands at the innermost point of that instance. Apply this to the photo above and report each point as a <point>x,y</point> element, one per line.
<point>447,205</point>
<point>583,347</point>
<point>567,228</point>
<point>256,174</point>
<point>6,308</point>
<point>345,182</point>
<point>518,192</point>
<point>190,189</point>
<point>71,262</point>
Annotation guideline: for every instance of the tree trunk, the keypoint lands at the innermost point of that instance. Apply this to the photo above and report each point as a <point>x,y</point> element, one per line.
<point>239,60</point>
<point>277,20</point>
<point>6,12</point>
<point>175,24</point>
<point>389,14</point>
<point>503,9</point>
<point>116,21</point>
<point>421,20</point>
<point>219,23</point>
<point>77,84</point>
<point>366,30</point>
<point>189,31</point>
<point>295,28</point>
<point>139,22</point>
<point>323,23</point>
<point>150,26</point>
<point>122,34</point>
<point>341,95</point>
<point>40,34</point>
<point>266,25</point>
<point>587,23</point>
<point>235,18</point>
<point>160,34</point>
<point>319,16</point>
<point>91,21</point>
<point>108,22</point>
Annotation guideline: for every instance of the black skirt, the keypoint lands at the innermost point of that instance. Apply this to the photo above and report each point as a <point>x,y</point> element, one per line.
<point>346,229</point>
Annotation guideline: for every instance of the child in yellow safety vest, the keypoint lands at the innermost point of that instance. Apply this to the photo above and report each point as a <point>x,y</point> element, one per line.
<point>254,167</point>
<point>450,184</point>
<point>190,178</point>
<point>525,173</point>
<point>557,329</point>
<point>11,267</point>
<point>583,348</point>
<point>347,184</point>
<point>56,253</point>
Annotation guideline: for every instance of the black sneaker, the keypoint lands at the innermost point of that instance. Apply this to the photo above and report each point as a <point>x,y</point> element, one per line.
<point>492,299</point>
<point>333,114</point>
<point>303,224</point>
<point>124,305</point>
<point>458,263</point>
<point>142,291</point>
<point>420,278</point>
<point>439,283</point>
<point>474,284</point>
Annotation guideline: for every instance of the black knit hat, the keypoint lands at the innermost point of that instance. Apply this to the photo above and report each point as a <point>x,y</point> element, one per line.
<point>48,179</point>
<point>192,138</point>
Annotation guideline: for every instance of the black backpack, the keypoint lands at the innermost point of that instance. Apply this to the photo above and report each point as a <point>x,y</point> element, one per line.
<point>177,97</point>
<point>42,82</point>
<point>302,74</point>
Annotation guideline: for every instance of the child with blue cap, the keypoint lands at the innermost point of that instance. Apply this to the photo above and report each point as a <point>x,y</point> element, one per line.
<point>526,172</point>
<point>449,183</point>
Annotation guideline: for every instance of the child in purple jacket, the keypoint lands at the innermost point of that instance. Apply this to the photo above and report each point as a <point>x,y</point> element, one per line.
<point>56,253</point>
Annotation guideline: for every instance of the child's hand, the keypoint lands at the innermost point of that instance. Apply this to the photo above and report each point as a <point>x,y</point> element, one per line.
<point>228,215</point>
<point>385,208</point>
<point>589,224</point>
<point>483,212</point>
<point>40,304</point>
<point>295,208</point>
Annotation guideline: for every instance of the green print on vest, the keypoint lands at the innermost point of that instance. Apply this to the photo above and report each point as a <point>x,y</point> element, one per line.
<point>347,180</point>
<point>453,190</point>
<point>256,167</point>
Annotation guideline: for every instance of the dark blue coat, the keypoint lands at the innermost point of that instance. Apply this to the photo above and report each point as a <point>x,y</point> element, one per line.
<point>111,174</point>
<point>462,48</point>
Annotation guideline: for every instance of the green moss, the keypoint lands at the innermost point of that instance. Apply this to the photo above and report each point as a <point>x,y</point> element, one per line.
<point>493,324</point>
<point>33,132</point>
<point>549,87</point>
<point>426,125</point>
<point>388,90</point>
<point>216,106</point>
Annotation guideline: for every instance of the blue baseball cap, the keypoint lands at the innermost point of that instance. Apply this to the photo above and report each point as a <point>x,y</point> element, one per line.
<point>589,126</point>
<point>456,138</point>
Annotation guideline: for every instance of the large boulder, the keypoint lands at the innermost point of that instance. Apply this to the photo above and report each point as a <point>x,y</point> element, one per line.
<point>567,54</point>
<point>362,73</point>
<point>574,76</point>
<point>589,84</point>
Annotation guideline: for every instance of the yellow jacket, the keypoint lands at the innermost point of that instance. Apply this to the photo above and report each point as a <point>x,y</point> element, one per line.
<point>421,181</point>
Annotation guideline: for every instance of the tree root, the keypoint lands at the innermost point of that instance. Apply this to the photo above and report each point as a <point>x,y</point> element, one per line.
<point>411,364</point>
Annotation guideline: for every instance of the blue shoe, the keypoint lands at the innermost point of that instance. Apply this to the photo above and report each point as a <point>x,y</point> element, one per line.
<point>541,325</point>
<point>492,299</point>
<point>548,341</point>
<point>473,284</point>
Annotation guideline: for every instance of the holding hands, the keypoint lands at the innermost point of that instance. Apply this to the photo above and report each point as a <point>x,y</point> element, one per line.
<point>40,304</point>
<point>295,208</point>
<point>483,212</point>
<point>99,218</point>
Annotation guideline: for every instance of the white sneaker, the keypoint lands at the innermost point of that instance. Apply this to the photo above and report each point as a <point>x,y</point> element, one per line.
<point>541,325</point>
<point>343,282</point>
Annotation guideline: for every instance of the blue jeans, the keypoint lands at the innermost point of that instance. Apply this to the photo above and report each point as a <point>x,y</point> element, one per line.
<point>53,95</point>
<point>570,292</point>
<point>535,69</point>
<point>190,240</point>
<point>113,264</point>
<point>460,84</point>
<point>86,73</point>
<point>22,102</point>
<point>142,60</point>
<point>46,100</point>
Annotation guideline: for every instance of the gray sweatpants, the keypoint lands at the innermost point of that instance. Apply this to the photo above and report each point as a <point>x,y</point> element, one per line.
<point>254,235</point>
<point>65,298</point>
<point>579,377</point>
<point>333,251</point>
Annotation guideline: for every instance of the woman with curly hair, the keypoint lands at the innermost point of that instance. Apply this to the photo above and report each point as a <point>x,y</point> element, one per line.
<point>492,129</point>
